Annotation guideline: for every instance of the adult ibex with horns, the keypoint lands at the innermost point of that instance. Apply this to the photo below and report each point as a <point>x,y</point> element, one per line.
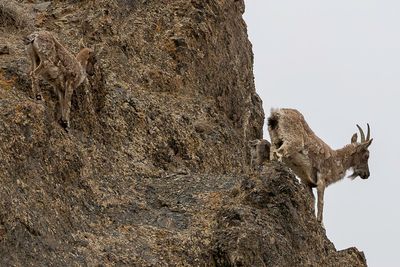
<point>311,159</point>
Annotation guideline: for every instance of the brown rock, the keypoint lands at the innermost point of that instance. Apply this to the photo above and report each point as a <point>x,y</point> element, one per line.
<point>152,170</point>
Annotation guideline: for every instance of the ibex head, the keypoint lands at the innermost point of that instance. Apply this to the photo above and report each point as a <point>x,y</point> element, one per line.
<point>361,154</point>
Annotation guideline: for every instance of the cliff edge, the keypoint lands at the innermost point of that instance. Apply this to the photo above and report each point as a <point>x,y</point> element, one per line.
<point>154,170</point>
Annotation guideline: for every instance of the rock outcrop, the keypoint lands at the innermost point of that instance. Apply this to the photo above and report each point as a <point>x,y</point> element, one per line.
<point>154,171</point>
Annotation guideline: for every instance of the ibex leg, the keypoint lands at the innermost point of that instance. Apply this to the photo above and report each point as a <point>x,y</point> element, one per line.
<point>67,102</point>
<point>320,193</point>
<point>61,109</point>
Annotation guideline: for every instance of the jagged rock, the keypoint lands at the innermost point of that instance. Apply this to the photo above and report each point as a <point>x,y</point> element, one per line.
<point>153,170</point>
<point>270,222</point>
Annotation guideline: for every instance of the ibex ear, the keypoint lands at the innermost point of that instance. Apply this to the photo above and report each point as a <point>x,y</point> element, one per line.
<point>368,143</point>
<point>354,138</point>
<point>365,145</point>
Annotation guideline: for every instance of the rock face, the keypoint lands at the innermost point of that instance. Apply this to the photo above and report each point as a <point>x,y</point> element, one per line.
<point>154,170</point>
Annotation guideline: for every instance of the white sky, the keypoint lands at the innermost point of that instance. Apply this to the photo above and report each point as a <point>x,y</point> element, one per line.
<point>338,62</point>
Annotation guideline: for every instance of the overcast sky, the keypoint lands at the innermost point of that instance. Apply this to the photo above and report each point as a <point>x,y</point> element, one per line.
<point>338,62</point>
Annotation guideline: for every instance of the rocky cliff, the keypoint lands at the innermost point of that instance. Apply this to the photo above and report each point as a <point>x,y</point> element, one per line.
<point>154,170</point>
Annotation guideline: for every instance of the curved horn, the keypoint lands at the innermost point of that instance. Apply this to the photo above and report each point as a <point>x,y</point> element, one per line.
<point>368,132</point>
<point>361,133</point>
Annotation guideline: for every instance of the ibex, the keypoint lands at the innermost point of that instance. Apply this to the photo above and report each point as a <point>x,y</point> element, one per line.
<point>259,152</point>
<point>312,160</point>
<point>59,67</point>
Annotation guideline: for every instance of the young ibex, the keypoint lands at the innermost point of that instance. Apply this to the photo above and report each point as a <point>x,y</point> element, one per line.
<point>59,67</point>
<point>313,161</point>
<point>259,152</point>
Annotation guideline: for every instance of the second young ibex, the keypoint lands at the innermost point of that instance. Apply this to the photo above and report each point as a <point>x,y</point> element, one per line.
<point>313,161</point>
<point>259,153</point>
<point>51,60</point>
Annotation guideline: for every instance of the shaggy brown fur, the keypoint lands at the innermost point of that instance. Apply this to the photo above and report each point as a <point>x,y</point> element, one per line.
<point>314,162</point>
<point>57,65</point>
